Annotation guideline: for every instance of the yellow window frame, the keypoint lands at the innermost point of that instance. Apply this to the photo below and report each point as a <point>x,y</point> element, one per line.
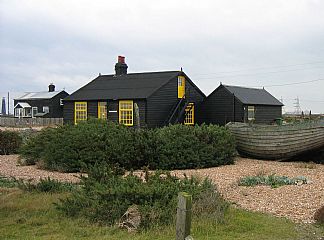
<point>251,113</point>
<point>126,112</point>
<point>102,110</point>
<point>80,111</point>
<point>181,86</point>
<point>190,114</point>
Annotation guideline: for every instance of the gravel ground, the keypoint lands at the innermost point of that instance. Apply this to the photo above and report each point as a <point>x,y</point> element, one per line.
<point>297,203</point>
<point>10,168</point>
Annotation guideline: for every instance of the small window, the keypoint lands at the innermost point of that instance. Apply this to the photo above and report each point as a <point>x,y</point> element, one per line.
<point>46,109</point>
<point>34,111</point>
<point>28,112</point>
<point>251,113</point>
<point>126,112</point>
<point>181,86</point>
<point>102,110</point>
<point>80,112</point>
<point>190,114</point>
<point>61,102</point>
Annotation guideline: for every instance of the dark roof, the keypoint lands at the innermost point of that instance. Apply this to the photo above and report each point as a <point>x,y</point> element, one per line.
<point>253,96</point>
<point>127,86</point>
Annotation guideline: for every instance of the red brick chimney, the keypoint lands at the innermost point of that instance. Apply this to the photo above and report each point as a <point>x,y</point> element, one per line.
<point>121,66</point>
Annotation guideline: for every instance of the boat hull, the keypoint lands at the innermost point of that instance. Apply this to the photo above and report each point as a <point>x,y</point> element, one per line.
<point>277,142</point>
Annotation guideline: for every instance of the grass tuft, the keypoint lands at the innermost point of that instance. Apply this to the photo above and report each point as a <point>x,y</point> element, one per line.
<point>271,180</point>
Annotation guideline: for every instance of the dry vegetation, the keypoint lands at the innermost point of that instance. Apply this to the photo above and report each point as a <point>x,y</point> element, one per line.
<point>298,203</point>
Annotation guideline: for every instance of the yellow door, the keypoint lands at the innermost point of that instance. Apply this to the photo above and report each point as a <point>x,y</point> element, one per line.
<point>181,86</point>
<point>102,110</point>
<point>190,114</point>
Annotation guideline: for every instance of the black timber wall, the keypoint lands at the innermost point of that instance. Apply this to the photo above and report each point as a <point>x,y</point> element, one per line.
<point>39,103</point>
<point>160,103</point>
<point>221,107</point>
<point>195,96</point>
<point>56,109</point>
<point>239,111</point>
<point>68,112</point>
<point>264,114</point>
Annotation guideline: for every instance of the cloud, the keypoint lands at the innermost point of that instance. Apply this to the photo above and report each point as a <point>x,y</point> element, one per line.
<point>70,42</point>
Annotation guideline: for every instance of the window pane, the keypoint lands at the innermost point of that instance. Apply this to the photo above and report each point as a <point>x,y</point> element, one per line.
<point>80,109</point>
<point>251,112</point>
<point>189,111</point>
<point>126,112</point>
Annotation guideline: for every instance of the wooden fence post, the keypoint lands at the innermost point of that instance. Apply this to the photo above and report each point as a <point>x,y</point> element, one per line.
<point>183,222</point>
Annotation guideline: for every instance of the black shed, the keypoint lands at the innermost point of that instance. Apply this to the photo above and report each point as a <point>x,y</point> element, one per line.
<point>240,104</point>
<point>47,104</point>
<point>150,99</point>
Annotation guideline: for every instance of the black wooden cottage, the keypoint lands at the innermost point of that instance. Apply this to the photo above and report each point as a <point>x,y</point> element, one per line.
<point>240,104</point>
<point>47,104</point>
<point>150,99</point>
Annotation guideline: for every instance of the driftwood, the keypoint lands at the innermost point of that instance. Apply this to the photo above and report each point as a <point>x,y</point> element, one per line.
<point>131,219</point>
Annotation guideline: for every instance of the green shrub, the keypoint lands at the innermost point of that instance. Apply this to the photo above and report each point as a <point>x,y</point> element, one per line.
<point>105,196</point>
<point>46,185</point>
<point>10,142</point>
<point>35,146</point>
<point>271,180</point>
<point>183,147</point>
<point>73,148</point>
<point>6,182</point>
<point>210,204</point>
<point>27,134</point>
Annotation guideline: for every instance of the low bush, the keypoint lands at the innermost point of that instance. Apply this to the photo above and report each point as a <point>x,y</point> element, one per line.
<point>73,148</point>
<point>105,196</point>
<point>35,145</point>
<point>10,142</point>
<point>271,180</point>
<point>46,185</point>
<point>181,147</point>
<point>6,182</point>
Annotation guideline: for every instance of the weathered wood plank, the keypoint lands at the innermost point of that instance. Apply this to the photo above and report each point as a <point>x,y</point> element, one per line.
<point>277,142</point>
<point>183,222</point>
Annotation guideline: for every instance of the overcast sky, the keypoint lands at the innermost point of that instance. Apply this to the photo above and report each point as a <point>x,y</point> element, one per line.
<point>247,43</point>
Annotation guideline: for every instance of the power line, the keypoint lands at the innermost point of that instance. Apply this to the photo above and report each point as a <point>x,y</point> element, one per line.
<point>261,73</point>
<point>294,83</point>
<point>261,68</point>
<point>305,100</point>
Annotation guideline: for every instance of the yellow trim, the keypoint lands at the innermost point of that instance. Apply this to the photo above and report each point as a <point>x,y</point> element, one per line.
<point>102,110</point>
<point>252,110</point>
<point>190,114</point>
<point>80,111</point>
<point>181,86</point>
<point>126,110</point>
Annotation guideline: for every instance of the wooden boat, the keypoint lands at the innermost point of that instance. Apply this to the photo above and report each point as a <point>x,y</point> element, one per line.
<point>275,142</point>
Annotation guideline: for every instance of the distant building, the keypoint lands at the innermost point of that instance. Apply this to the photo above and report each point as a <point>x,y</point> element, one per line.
<point>40,104</point>
<point>240,104</point>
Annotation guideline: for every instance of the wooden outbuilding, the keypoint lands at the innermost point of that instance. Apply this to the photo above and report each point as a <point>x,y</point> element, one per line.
<point>47,104</point>
<point>240,104</point>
